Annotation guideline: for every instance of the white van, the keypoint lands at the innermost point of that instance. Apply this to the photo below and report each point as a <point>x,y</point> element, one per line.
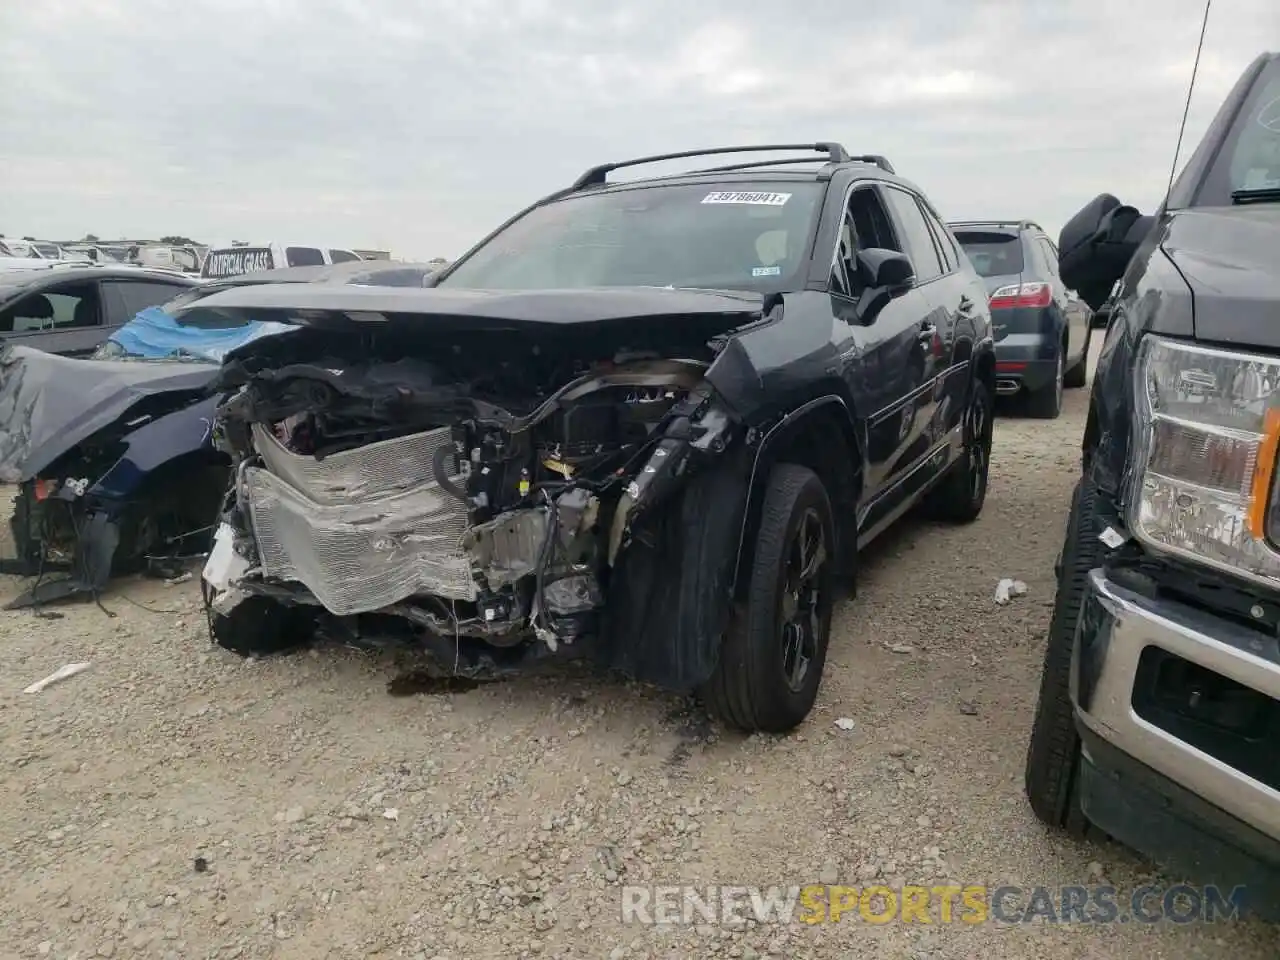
<point>235,260</point>
<point>165,257</point>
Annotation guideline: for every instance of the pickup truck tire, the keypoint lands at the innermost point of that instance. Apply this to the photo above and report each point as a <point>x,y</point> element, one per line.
<point>1053,754</point>
<point>959,496</point>
<point>1046,402</point>
<point>773,654</point>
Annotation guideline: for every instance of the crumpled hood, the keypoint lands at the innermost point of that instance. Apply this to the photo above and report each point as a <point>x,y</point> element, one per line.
<point>1230,257</point>
<point>49,403</point>
<point>355,307</point>
<point>348,321</point>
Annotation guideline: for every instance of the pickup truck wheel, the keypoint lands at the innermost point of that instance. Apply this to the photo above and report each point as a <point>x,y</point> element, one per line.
<point>1053,754</point>
<point>772,657</point>
<point>959,497</point>
<point>1046,403</point>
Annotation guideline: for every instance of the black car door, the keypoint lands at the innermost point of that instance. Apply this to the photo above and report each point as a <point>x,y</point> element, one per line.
<point>60,317</point>
<point>962,296</point>
<point>917,242</point>
<point>884,363</point>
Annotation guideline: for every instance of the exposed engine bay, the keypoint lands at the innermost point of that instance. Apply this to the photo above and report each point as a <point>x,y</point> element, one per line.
<point>489,493</point>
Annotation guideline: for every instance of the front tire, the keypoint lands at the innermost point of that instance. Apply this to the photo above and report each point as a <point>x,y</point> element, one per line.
<point>1053,753</point>
<point>261,627</point>
<point>772,658</point>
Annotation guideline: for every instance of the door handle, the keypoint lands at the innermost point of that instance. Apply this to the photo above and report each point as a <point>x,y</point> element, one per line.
<point>927,332</point>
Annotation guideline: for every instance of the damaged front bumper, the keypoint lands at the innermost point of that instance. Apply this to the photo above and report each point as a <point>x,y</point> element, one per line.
<point>452,539</point>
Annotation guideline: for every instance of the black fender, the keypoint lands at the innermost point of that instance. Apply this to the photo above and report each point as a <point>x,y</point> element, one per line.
<point>773,438</point>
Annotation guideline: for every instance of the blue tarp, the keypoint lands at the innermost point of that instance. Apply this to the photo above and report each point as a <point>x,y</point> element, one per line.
<point>155,335</point>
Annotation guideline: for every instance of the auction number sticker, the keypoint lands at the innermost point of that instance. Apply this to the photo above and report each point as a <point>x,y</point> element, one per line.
<point>758,199</point>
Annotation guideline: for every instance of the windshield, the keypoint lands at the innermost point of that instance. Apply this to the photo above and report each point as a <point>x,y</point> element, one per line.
<point>1250,154</point>
<point>685,235</point>
<point>992,254</point>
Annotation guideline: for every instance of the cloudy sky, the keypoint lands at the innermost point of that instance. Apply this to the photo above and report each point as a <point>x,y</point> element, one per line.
<point>418,125</point>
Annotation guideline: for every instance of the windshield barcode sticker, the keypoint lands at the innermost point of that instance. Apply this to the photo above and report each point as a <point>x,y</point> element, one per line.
<point>760,199</point>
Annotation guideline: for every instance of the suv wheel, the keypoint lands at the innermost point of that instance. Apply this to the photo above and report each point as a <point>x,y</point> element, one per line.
<point>959,497</point>
<point>1078,375</point>
<point>1053,754</point>
<point>772,657</point>
<point>1046,403</point>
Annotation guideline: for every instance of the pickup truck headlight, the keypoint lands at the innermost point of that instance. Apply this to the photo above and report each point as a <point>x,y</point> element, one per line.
<point>1208,422</point>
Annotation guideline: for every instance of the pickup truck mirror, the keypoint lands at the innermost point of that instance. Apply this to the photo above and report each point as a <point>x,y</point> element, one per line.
<point>1097,244</point>
<point>885,274</point>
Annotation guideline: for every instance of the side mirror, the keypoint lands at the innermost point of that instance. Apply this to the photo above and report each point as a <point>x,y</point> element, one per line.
<point>885,269</point>
<point>885,275</point>
<point>1097,244</point>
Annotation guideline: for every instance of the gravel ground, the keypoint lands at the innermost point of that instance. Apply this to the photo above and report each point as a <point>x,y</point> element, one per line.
<point>174,801</point>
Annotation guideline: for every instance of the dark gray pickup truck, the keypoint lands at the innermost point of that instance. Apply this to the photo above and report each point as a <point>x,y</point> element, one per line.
<point>1159,714</point>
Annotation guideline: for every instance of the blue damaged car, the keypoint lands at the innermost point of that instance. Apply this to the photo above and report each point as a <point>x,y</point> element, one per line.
<point>112,454</point>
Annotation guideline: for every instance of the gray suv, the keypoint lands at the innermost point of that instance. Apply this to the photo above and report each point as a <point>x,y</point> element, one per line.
<point>1042,328</point>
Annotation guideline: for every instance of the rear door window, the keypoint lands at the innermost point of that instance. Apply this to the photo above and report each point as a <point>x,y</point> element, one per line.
<point>342,256</point>
<point>304,257</point>
<point>947,249</point>
<point>993,253</point>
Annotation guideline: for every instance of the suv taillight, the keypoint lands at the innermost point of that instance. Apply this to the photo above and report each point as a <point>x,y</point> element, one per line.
<point>1022,295</point>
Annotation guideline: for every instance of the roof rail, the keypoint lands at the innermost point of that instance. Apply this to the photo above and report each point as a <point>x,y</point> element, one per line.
<point>880,161</point>
<point>1020,224</point>
<point>596,175</point>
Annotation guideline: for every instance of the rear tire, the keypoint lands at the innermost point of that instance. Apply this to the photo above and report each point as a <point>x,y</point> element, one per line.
<point>1053,754</point>
<point>1046,403</point>
<point>772,657</point>
<point>1078,375</point>
<point>960,496</point>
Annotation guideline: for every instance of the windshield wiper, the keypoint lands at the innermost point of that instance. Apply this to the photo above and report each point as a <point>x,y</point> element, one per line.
<point>1256,195</point>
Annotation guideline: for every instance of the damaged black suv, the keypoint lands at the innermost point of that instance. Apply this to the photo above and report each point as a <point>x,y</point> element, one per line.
<point>649,423</point>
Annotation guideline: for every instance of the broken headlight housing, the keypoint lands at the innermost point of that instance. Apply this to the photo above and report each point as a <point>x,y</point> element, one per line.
<point>1207,424</point>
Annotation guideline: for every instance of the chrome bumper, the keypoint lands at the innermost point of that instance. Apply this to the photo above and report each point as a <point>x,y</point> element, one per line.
<point>1120,625</point>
